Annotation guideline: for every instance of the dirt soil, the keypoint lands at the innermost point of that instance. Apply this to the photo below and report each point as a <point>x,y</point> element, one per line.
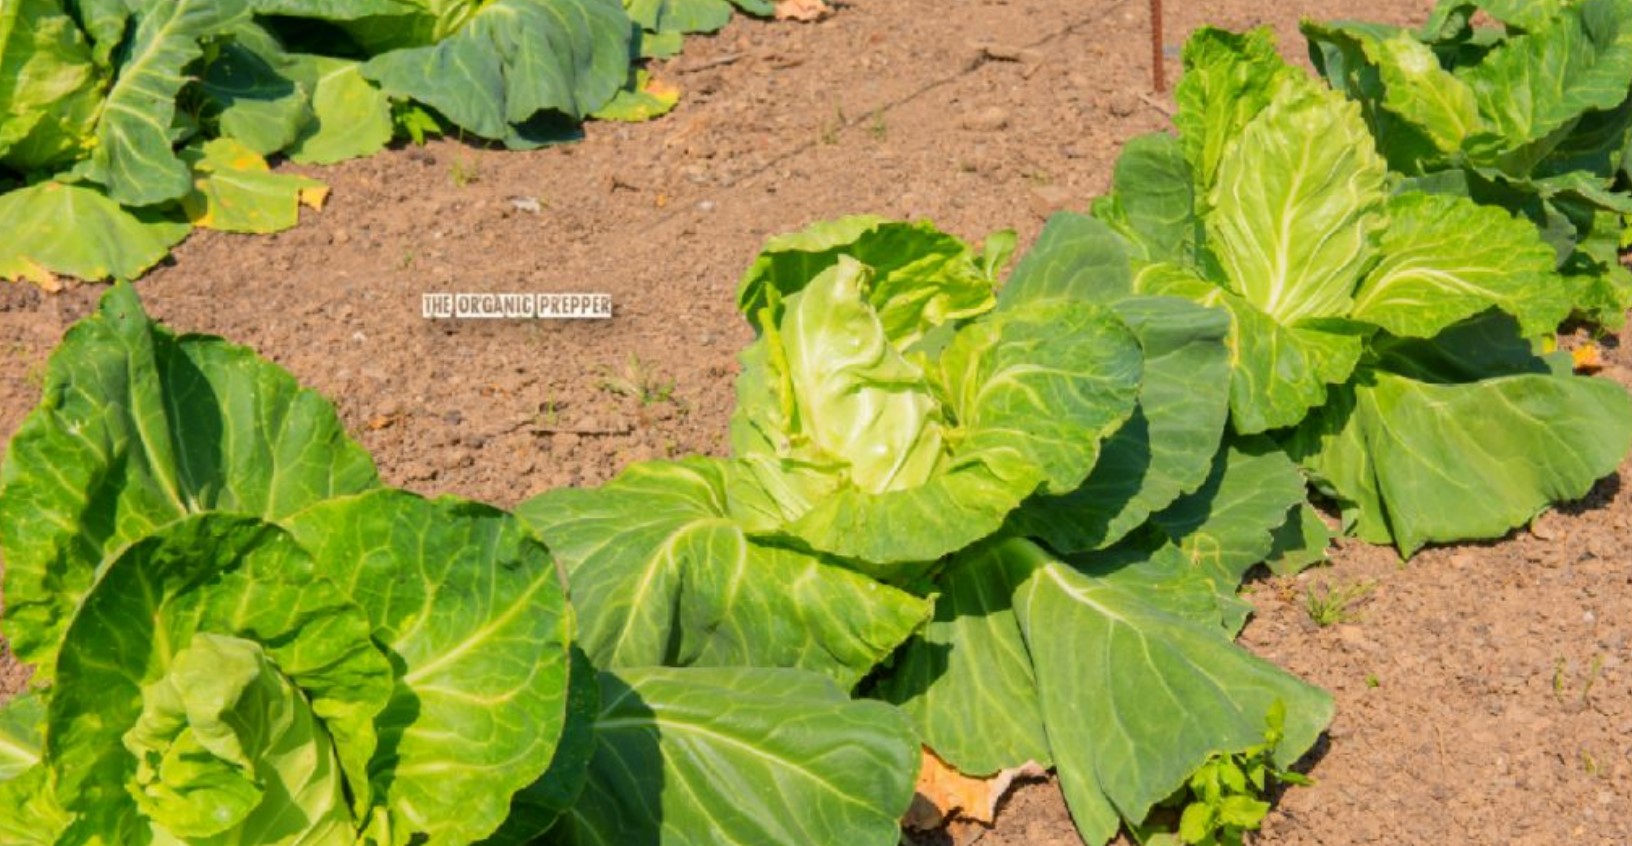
<point>1483,690</point>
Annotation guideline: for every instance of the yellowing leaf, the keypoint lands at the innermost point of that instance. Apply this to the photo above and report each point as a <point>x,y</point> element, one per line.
<point>235,191</point>
<point>48,233</point>
<point>642,99</point>
<point>1587,358</point>
<point>314,196</point>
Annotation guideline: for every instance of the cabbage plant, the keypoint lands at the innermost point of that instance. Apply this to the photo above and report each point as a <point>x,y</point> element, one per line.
<point>1532,116</point>
<point>946,495</point>
<point>1389,337</point>
<point>241,637</point>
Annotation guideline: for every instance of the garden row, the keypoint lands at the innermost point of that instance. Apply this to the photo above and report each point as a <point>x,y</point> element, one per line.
<point>1004,520</point>
<point>125,123</point>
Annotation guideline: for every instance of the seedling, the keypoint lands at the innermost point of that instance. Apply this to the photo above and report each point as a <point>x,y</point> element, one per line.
<point>831,129</point>
<point>879,129</point>
<point>411,121</point>
<point>549,413</point>
<point>638,382</point>
<point>1335,603</point>
<point>1224,798</point>
<point>1560,665</point>
<point>463,172</point>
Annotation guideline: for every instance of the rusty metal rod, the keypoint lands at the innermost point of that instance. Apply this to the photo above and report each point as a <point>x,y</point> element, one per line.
<point>1158,72</point>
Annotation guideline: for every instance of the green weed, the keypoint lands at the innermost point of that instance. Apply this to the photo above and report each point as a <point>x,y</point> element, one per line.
<point>1334,604</point>
<point>1224,799</point>
<point>637,382</point>
<point>830,130</point>
<point>463,172</point>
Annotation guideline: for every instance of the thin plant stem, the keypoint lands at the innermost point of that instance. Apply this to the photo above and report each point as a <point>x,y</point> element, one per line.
<point>1158,73</point>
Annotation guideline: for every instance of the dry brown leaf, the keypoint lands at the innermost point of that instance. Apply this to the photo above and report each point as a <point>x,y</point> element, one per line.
<point>944,793</point>
<point>804,11</point>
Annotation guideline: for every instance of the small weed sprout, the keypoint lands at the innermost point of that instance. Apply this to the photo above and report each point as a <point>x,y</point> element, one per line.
<point>1224,799</point>
<point>638,382</point>
<point>1334,604</point>
<point>831,129</point>
<point>463,172</point>
<point>879,129</point>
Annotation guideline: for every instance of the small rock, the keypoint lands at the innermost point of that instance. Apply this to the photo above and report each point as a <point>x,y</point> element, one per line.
<point>989,119</point>
<point>455,458</point>
<point>1544,529</point>
<point>1122,104</point>
<point>531,205</point>
<point>706,205</point>
<point>1048,199</point>
<point>340,236</point>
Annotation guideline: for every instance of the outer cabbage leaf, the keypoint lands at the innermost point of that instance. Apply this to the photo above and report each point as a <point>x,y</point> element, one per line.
<point>138,428</point>
<point>336,10</point>
<point>642,98</point>
<point>967,680</point>
<point>536,807</point>
<point>921,277</point>
<point>133,155</point>
<point>511,60</point>
<point>1228,79</point>
<point>472,612</point>
<point>1445,259</point>
<point>1424,462</point>
<point>77,231</point>
<point>1348,53</point>
<point>29,812</point>
<point>1417,89</point>
<point>662,574</point>
<point>679,15</point>
<point>259,105</point>
<point>1021,391</point>
<point>1165,449</point>
<point>1229,524</point>
<point>1152,203</point>
<point>1075,258</point>
<point>701,756</point>
<point>22,718</point>
<point>1297,207</point>
<point>1534,84</point>
<point>250,583</point>
<point>351,117</point>
<point>235,191</point>
<point>1131,696</point>
<point>1278,373</point>
<point>49,86</point>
